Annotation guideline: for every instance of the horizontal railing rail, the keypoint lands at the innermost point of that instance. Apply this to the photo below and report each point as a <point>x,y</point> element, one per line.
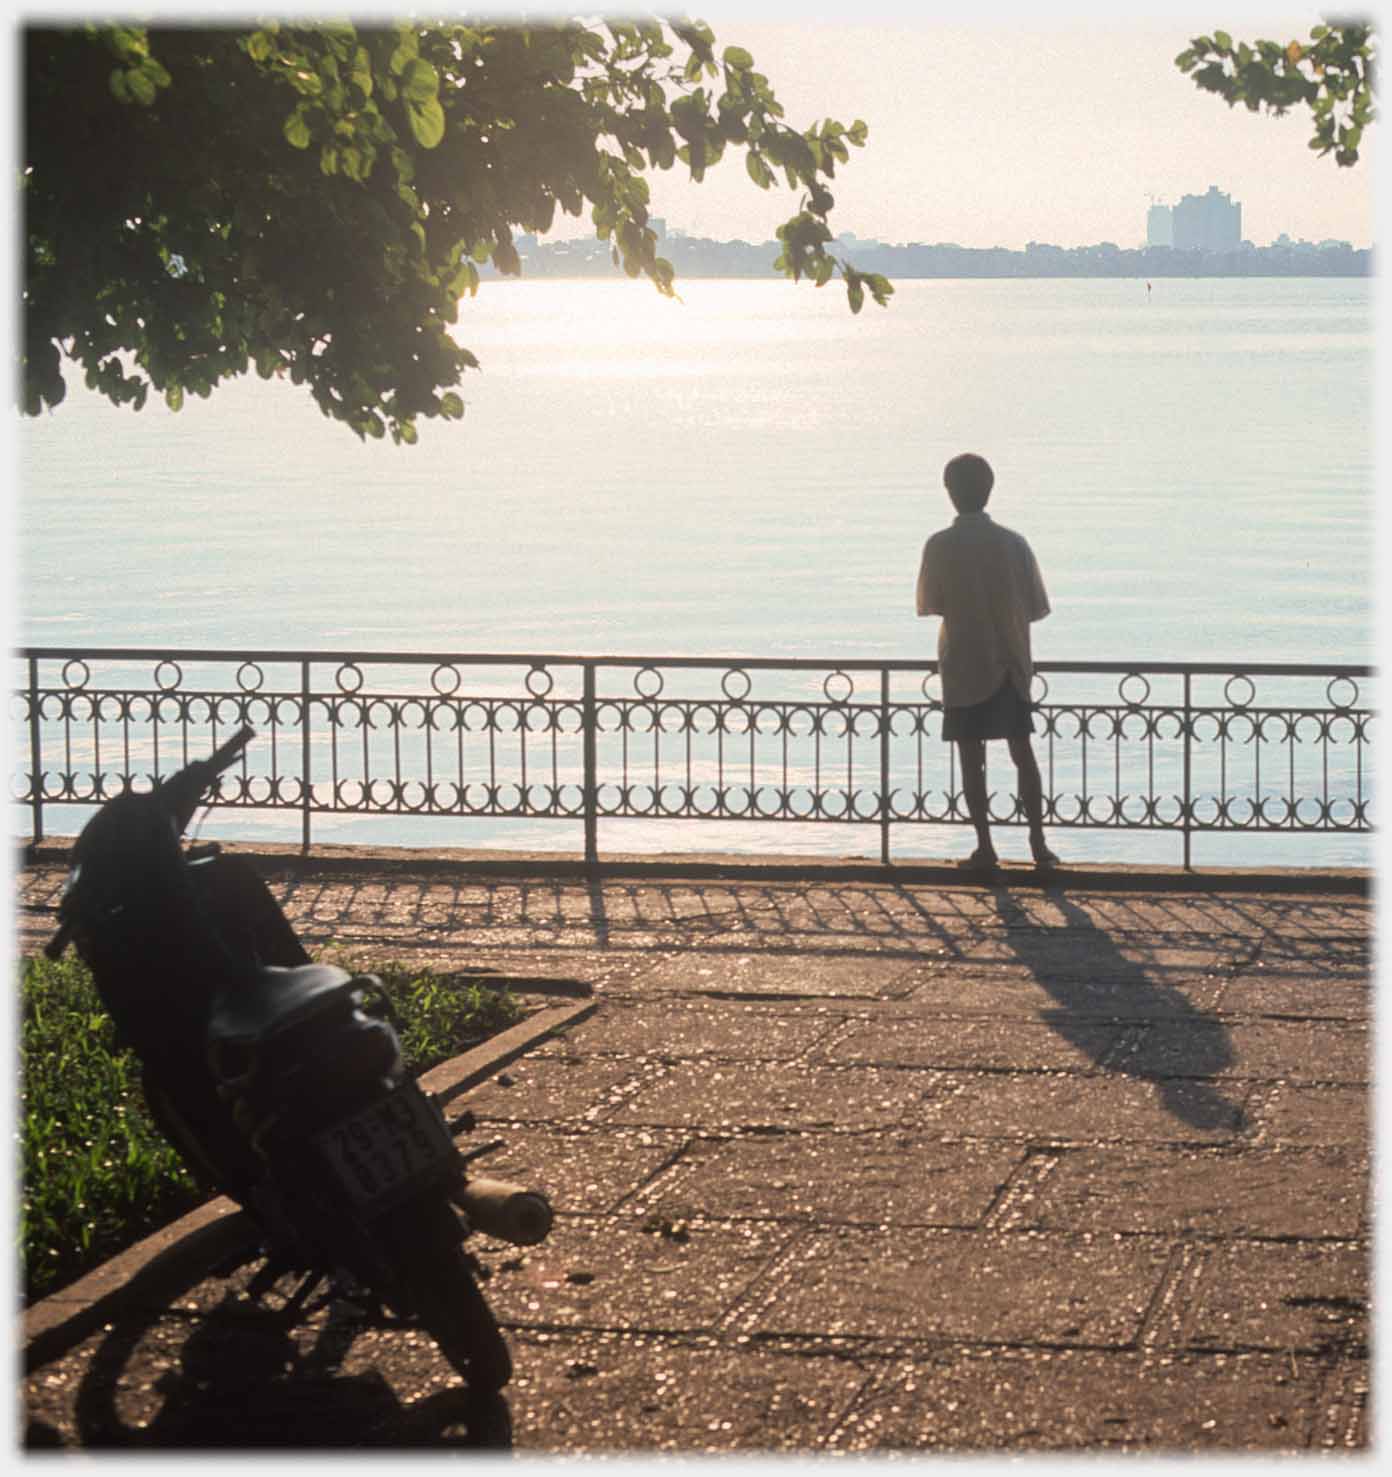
<point>1184,748</point>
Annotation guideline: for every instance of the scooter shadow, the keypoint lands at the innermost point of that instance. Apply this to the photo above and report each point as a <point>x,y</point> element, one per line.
<point>243,1382</point>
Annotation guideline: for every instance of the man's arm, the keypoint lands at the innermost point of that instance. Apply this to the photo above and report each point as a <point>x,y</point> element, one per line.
<point>1038,595</point>
<point>927,595</point>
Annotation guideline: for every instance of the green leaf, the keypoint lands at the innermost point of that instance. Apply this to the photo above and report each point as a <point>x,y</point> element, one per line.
<point>141,87</point>
<point>451,407</point>
<point>420,81</point>
<point>174,397</point>
<point>407,48</point>
<point>757,170</point>
<point>1222,41</point>
<point>737,58</point>
<point>427,120</point>
<point>296,130</point>
<point>466,279</point>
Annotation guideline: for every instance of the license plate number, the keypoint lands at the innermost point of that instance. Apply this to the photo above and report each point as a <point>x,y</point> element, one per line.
<point>386,1146</point>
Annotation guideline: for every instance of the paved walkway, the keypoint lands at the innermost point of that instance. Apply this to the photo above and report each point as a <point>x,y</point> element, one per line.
<point>841,1164</point>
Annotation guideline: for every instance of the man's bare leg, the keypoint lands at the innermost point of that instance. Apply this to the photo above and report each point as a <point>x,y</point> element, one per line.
<point>1031,791</point>
<point>972,753</point>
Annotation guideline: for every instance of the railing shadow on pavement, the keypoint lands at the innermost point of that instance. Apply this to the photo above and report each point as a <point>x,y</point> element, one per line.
<point>816,916</point>
<point>1183,1087</point>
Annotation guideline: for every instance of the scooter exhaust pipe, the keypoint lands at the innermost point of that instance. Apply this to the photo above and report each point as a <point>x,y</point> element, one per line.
<point>505,1211</point>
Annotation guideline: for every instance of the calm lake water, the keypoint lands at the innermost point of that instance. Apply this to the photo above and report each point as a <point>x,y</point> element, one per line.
<point>751,472</point>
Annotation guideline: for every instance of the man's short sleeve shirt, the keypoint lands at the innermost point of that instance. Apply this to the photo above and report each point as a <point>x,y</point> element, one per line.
<point>984,581</point>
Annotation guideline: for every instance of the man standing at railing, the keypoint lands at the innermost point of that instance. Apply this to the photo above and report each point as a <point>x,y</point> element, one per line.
<point>984,581</point>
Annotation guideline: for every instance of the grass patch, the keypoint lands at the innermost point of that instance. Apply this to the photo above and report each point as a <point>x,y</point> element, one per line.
<point>97,1174</point>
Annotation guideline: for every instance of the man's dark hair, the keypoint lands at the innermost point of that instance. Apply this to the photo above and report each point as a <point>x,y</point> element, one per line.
<point>969,480</point>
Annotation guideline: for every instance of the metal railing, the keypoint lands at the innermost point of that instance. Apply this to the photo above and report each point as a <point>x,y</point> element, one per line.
<point>1185,748</point>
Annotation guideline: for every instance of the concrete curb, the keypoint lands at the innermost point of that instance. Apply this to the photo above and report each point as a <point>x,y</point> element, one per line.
<point>344,860</point>
<point>163,1263</point>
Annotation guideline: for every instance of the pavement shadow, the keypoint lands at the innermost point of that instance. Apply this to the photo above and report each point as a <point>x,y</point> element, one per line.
<point>242,1383</point>
<point>1204,1046</point>
<point>819,916</point>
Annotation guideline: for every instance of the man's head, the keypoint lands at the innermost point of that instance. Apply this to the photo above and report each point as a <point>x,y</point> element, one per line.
<point>968,479</point>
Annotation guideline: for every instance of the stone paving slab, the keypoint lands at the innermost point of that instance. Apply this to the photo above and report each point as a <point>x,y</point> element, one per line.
<point>905,1179</point>
<point>1325,993</point>
<point>612,1274</point>
<point>779,1095</point>
<point>1014,1288</point>
<point>1001,1045</point>
<point>588,1170</point>
<point>1289,1113</point>
<point>981,1400</point>
<point>1114,994</point>
<point>1064,1107</point>
<point>730,1030</point>
<point>782,976</point>
<point>1282,1295</point>
<point>587,1394</point>
<point>1225,1192</point>
<point>1295,1051</point>
<point>842,1165</point>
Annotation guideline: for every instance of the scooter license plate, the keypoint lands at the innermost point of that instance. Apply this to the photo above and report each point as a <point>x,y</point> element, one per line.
<point>382,1149</point>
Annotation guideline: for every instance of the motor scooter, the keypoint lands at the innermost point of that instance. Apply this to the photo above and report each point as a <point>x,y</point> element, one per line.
<point>280,1081</point>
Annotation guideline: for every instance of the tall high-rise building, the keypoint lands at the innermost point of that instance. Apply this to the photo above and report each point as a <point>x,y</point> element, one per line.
<point>1159,226</point>
<point>1210,222</point>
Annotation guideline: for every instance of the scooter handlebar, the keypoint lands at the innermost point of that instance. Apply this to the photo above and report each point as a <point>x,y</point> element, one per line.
<point>181,792</point>
<point>228,754</point>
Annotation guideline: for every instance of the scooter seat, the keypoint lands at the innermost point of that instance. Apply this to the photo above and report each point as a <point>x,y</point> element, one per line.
<point>275,998</point>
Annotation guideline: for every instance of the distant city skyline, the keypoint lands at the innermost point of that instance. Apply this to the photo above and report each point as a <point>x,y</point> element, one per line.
<point>1148,232</point>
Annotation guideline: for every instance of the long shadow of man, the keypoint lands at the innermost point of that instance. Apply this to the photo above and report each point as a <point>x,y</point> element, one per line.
<point>1092,977</point>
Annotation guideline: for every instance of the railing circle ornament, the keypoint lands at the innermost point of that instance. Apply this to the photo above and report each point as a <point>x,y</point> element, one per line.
<point>823,750</point>
<point>445,680</point>
<point>1239,702</point>
<point>844,682</point>
<point>731,679</point>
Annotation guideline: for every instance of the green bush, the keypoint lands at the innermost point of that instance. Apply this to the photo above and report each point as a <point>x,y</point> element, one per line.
<point>97,1174</point>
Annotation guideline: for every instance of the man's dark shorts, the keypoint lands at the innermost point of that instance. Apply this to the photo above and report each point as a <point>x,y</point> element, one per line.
<point>1004,716</point>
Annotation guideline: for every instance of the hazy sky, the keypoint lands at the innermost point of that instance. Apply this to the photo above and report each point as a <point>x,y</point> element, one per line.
<point>1014,127</point>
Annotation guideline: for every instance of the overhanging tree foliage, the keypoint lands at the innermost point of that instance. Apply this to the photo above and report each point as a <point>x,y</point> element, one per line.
<point>314,200</point>
<point>1332,74</point>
